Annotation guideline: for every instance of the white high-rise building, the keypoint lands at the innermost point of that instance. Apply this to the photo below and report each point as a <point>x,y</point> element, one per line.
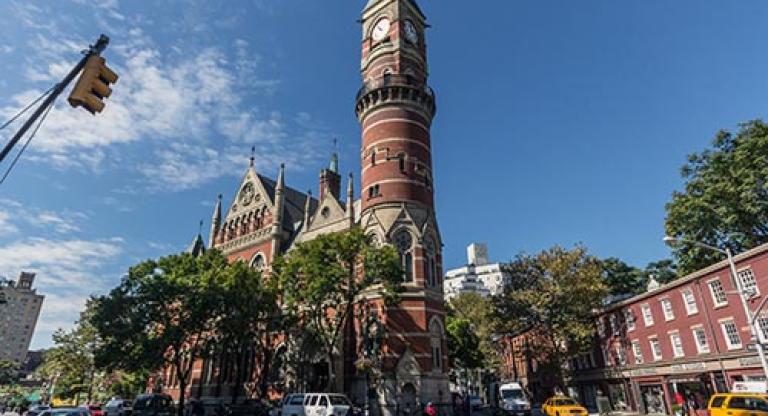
<point>479,275</point>
<point>19,309</point>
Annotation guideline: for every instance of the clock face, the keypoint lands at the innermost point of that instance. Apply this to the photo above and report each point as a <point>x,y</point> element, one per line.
<point>381,30</point>
<point>246,194</point>
<point>411,35</point>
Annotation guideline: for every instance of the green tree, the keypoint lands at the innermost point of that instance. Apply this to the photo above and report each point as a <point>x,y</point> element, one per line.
<point>70,362</point>
<point>477,310</point>
<point>161,315</point>
<point>725,200</point>
<point>463,344</point>
<point>552,297</point>
<point>322,279</point>
<point>621,278</point>
<point>665,271</point>
<point>9,371</point>
<point>249,316</point>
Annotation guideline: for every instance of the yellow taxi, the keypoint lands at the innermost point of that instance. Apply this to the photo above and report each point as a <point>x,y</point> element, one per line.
<point>562,406</point>
<point>738,404</point>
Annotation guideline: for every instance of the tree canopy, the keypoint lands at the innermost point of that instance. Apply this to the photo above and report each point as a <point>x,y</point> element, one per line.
<point>322,279</point>
<point>470,328</point>
<point>725,200</point>
<point>552,298</point>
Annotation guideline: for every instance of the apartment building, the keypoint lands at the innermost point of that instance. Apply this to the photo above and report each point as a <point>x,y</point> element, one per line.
<point>18,316</point>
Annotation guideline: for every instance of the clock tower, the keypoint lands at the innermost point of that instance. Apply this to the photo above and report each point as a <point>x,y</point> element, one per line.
<point>395,107</point>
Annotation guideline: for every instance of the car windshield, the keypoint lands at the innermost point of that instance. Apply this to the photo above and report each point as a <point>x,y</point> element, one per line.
<point>339,401</point>
<point>565,402</point>
<point>512,394</point>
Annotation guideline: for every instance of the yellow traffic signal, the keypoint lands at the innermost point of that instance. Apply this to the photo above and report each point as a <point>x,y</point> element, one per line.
<point>93,85</point>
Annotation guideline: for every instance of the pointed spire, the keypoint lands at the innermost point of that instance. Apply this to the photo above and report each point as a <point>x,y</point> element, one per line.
<point>334,165</point>
<point>197,248</point>
<point>350,198</point>
<point>279,201</point>
<point>215,223</point>
<point>307,209</point>
<point>253,156</point>
<point>281,178</point>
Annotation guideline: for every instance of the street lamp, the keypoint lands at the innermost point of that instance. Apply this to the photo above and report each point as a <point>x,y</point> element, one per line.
<point>751,316</point>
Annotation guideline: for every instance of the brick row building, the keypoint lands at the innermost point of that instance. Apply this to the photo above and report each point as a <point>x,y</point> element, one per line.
<point>688,338</point>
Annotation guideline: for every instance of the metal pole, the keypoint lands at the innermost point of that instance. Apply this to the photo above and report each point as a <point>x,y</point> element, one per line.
<point>748,312</point>
<point>93,50</point>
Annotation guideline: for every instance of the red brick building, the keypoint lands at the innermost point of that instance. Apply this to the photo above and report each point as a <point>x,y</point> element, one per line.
<point>689,338</point>
<point>266,218</point>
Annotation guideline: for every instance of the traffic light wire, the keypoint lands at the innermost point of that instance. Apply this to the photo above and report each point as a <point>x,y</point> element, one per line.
<point>25,109</point>
<point>31,136</point>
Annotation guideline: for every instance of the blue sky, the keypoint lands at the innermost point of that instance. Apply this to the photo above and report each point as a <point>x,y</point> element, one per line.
<point>559,122</point>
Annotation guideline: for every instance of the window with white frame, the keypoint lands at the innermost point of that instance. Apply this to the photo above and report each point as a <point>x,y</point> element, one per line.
<point>748,282</point>
<point>656,349</point>
<point>621,355</point>
<point>666,306</point>
<point>700,336</point>
<point>718,293</point>
<point>677,344</point>
<point>762,322</point>
<point>731,334</point>
<point>647,314</point>
<point>600,327</point>
<point>690,301</point>
<point>629,317</point>
<point>637,351</point>
<point>614,323</point>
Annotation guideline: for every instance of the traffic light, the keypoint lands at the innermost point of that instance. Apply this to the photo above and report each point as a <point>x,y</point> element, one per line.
<point>93,85</point>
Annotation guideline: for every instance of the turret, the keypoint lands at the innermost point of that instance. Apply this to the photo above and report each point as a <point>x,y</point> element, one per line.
<point>330,180</point>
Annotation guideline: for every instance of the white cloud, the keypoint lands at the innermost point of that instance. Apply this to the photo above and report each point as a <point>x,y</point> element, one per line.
<point>6,227</point>
<point>68,272</point>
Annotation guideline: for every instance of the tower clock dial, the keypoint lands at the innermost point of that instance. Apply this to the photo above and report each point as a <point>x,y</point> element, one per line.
<point>411,35</point>
<point>381,30</point>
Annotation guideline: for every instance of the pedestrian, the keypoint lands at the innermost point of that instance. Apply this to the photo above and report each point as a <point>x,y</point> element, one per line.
<point>430,410</point>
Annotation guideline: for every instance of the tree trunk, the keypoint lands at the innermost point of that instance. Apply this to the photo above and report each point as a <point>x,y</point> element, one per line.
<point>331,386</point>
<point>182,394</point>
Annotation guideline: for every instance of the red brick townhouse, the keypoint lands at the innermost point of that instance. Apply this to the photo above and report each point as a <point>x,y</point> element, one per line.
<point>688,338</point>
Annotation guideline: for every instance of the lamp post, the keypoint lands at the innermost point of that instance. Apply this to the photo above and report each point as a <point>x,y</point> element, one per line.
<point>750,315</point>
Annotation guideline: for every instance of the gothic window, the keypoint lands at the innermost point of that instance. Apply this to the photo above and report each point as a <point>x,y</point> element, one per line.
<point>436,341</point>
<point>404,244</point>
<point>430,263</point>
<point>258,262</point>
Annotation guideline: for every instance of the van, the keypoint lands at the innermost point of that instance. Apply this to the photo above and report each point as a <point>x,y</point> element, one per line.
<point>326,404</point>
<point>292,405</point>
<point>514,400</point>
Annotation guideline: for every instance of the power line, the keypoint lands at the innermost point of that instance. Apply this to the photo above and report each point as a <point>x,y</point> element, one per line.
<point>34,132</point>
<point>25,109</point>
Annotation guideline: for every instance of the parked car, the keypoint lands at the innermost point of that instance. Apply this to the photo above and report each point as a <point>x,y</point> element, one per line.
<point>94,409</point>
<point>738,404</point>
<point>153,405</point>
<point>36,410</point>
<point>65,411</point>
<point>561,406</point>
<point>249,407</point>
<point>475,402</point>
<point>293,405</point>
<point>118,407</point>
<point>324,404</point>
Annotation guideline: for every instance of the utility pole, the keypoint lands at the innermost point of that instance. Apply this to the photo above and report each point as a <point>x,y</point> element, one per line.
<point>93,50</point>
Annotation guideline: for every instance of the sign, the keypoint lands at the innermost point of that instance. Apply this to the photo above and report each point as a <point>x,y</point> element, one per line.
<point>689,367</point>
<point>643,372</point>
<point>749,386</point>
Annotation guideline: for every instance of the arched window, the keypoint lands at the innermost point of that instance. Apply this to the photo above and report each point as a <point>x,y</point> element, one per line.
<point>404,243</point>
<point>430,263</point>
<point>259,262</point>
<point>373,157</point>
<point>436,341</point>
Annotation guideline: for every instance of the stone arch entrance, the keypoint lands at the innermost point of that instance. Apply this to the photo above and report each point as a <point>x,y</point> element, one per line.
<point>408,404</point>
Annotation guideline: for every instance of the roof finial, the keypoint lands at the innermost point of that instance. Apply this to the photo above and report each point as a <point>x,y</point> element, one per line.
<point>334,166</point>
<point>200,228</point>
<point>253,155</point>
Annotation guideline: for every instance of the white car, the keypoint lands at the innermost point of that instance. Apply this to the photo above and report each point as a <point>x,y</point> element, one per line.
<point>324,404</point>
<point>293,405</point>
